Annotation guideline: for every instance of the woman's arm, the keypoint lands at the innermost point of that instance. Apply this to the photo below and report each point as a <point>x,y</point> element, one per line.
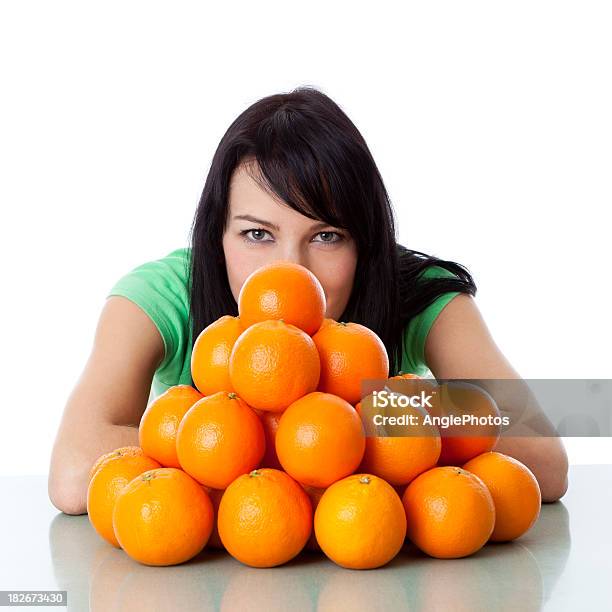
<point>459,345</point>
<point>104,409</point>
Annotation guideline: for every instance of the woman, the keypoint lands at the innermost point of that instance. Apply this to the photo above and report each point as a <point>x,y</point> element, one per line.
<point>292,179</point>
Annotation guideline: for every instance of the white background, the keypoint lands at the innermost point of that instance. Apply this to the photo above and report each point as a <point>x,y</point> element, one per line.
<point>490,123</point>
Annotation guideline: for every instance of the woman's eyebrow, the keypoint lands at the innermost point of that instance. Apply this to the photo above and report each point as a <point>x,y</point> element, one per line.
<point>256,220</point>
<point>272,225</point>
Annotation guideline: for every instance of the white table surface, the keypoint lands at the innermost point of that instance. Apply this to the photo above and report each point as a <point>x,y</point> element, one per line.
<point>563,563</point>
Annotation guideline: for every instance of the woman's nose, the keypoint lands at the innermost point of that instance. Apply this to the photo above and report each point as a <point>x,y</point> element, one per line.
<point>295,255</point>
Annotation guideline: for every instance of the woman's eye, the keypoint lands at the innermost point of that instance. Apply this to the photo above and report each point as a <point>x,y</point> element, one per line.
<point>329,237</point>
<point>256,235</point>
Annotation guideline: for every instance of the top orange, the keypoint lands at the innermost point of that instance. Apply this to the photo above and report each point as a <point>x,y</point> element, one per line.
<point>282,290</point>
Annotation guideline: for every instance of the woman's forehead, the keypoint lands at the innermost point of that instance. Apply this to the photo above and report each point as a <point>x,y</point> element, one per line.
<point>245,188</point>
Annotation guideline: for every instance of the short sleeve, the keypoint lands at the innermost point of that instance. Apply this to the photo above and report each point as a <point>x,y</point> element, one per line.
<point>159,288</point>
<point>418,328</point>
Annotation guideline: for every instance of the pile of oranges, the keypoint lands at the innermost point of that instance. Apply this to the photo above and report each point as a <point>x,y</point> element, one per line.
<point>269,455</point>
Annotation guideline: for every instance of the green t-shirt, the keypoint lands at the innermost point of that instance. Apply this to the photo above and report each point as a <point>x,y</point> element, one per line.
<point>413,359</point>
<point>159,287</point>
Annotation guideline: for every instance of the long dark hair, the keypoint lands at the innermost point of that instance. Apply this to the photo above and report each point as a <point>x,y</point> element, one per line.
<point>313,157</point>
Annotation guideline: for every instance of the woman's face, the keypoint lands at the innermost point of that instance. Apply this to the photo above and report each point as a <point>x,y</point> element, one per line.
<point>274,232</point>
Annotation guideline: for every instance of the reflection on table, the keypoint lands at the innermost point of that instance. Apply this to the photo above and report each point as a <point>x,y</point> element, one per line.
<point>517,575</point>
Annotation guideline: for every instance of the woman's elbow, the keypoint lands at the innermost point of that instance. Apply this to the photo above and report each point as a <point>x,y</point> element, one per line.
<point>554,486</point>
<point>554,491</point>
<point>67,501</point>
<point>65,490</point>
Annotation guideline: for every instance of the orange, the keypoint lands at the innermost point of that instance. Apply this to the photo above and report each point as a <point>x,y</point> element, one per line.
<point>350,353</point>
<point>215,497</point>
<point>265,518</point>
<point>315,495</point>
<point>270,421</point>
<point>404,375</point>
<point>450,512</point>
<point>163,517</point>
<point>112,475</point>
<point>411,384</point>
<point>515,491</point>
<point>160,421</point>
<point>210,355</point>
<point>282,290</point>
<point>397,453</point>
<point>272,364</point>
<point>218,439</point>
<point>124,450</point>
<point>320,439</point>
<point>399,460</point>
<point>360,522</point>
<point>462,442</point>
